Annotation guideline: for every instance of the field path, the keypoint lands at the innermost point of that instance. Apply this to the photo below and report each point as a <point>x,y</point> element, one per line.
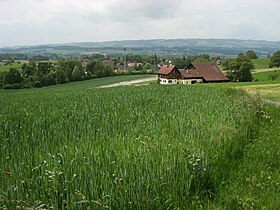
<point>129,82</point>
<point>275,103</point>
<point>265,70</point>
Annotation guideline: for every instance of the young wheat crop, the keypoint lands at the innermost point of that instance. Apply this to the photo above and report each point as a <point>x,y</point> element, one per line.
<point>148,147</point>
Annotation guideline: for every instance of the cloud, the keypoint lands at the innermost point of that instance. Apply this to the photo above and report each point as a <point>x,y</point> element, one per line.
<point>142,10</point>
<point>53,21</point>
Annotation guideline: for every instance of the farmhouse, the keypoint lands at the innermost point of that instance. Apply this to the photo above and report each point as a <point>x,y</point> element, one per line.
<point>193,73</point>
<point>84,62</point>
<point>134,65</point>
<point>109,63</point>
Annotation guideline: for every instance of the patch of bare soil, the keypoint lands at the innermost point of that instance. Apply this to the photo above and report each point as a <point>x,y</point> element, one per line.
<point>275,103</point>
<point>130,82</point>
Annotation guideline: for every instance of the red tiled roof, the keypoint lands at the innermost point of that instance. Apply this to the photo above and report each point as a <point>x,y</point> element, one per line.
<point>108,62</point>
<point>192,74</point>
<point>209,71</point>
<point>165,69</point>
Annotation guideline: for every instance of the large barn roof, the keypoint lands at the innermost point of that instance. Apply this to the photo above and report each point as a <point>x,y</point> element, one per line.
<point>209,71</point>
<point>190,74</point>
<point>165,69</point>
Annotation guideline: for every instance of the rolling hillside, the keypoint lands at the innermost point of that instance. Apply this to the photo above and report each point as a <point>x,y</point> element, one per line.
<point>224,47</point>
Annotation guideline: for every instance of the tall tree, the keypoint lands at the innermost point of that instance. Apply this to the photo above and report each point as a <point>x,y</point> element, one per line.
<point>44,68</point>
<point>90,70</point>
<point>179,62</point>
<point>98,69</point>
<point>107,71</point>
<point>13,76</point>
<point>251,54</point>
<point>240,69</point>
<point>275,60</point>
<point>2,77</point>
<point>49,79</point>
<point>78,73</point>
<point>226,62</point>
<point>29,69</point>
<point>137,58</point>
<point>203,58</point>
<point>60,76</point>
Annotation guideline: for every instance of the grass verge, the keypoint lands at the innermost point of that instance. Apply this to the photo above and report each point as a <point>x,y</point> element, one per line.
<point>85,84</point>
<point>255,183</point>
<point>261,63</point>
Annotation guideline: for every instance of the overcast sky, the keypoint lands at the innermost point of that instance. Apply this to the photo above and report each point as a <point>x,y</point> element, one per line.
<point>28,22</point>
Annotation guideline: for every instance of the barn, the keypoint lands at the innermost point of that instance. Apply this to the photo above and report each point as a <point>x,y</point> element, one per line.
<point>194,73</point>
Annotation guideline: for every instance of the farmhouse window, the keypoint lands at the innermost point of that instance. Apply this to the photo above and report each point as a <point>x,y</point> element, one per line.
<point>173,76</point>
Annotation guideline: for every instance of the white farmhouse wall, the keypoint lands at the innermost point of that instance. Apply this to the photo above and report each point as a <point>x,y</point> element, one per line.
<point>179,81</point>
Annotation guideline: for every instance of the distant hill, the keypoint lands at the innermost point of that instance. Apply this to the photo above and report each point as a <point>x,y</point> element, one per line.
<point>222,47</point>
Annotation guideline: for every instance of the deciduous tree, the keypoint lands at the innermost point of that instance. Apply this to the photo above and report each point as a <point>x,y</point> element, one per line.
<point>13,76</point>
<point>275,60</point>
<point>78,73</point>
<point>60,76</point>
<point>90,70</point>
<point>44,68</point>
<point>28,69</point>
<point>251,54</point>
<point>240,69</point>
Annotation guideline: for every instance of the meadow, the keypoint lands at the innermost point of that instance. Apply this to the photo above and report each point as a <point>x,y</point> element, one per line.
<point>147,147</point>
<point>92,83</point>
<point>74,146</point>
<point>261,63</point>
<point>262,85</point>
<point>266,84</point>
<point>6,66</point>
<point>272,75</point>
<point>255,183</point>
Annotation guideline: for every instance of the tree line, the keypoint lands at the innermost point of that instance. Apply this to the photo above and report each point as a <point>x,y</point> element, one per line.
<point>41,74</point>
<point>19,56</point>
<point>239,68</point>
<point>38,74</point>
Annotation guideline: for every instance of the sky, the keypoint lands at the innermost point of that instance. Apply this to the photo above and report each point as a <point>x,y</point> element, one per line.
<point>32,22</point>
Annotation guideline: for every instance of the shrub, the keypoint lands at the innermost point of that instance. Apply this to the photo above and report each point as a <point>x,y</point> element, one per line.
<point>8,87</point>
<point>273,76</point>
<point>49,79</point>
<point>16,86</point>
<point>13,76</point>
<point>38,84</point>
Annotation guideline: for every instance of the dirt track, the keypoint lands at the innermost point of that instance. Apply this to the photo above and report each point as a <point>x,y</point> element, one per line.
<point>275,103</point>
<point>130,82</point>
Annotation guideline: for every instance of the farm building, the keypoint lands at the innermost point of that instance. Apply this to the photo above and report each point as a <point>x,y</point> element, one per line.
<point>193,73</point>
<point>109,63</point>
<point>134,65</point>
<point>84,62</point>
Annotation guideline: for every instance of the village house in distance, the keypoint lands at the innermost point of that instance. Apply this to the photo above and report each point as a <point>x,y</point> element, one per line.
<point>193,73</point>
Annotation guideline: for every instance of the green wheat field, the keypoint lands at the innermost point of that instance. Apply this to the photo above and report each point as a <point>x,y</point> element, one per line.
<point>147,147</point>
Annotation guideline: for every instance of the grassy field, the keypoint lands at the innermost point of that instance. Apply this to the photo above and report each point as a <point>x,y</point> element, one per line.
<point>122,148</point>
<point>255,183</point>
<point>6,67</point>
<point>98,82</point>
<point>267,75</point>
<point>261,63</point>
<point>88,84</point>
<point>265,87</point>
<point>74,146</point>
<point>268,91</point>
